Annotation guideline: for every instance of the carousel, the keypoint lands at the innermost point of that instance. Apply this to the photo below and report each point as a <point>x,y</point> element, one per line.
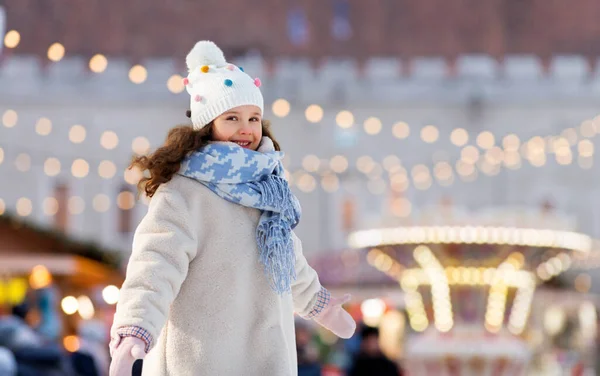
<point>469,279</point>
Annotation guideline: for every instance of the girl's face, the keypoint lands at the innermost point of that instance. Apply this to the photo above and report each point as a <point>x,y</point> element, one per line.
<point>242,125</point>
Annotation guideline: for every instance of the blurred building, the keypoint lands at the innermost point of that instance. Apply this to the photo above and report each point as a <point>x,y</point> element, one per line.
<point>383,108</point>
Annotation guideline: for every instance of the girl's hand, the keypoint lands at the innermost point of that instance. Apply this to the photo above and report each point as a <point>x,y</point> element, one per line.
<point>336,319</point>
<point>127,352</point>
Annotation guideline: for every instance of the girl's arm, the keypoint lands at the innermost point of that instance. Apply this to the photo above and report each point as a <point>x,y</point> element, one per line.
<point>310,298</point>
<point>164,243</point>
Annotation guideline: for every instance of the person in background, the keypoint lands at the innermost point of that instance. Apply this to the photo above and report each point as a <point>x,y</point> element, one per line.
<point>308,356</point>
<point>370,361</point>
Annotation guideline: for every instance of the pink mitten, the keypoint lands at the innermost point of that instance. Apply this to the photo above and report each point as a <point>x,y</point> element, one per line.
<point>336,319</point>
<point>127,352</point>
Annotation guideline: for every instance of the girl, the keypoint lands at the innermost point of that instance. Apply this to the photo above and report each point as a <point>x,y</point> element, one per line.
<point>216,271</point>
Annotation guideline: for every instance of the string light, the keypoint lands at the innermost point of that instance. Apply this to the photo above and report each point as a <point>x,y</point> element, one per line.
<point>52,167</point>
<point>281,108</point>
<point>430,134</point>
<point>459,137</point>
<point>43,126</point>
<point>485,140</point>
<point>314,113</point>
<point>101,203</point>
<point>401,130</point>
<point>23,162</point>
<point>24,207</point>
<point>372,126</point>
<point>10,118</point>
<point>109,140</point>
<point>138,74</point>
<point>344,119</point>
<point>175,84</point>
<point>338,164</point>
<point>12,39</point>
<point>56,52</point>
<point>98,63</point>
<point>77,134</point>
<point>80,168</point>
<point>76,205</point>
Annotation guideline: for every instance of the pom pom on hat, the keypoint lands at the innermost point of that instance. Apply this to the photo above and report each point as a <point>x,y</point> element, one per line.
<point>205,53</point>
<point>216,86</point>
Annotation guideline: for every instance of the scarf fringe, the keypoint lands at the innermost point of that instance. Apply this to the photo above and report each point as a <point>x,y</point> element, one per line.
<point>273,233</point>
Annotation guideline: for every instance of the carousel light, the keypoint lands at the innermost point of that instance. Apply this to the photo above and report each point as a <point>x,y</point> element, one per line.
<point>468,235</point>
<point>588,319</point>
<point>554,320</point>
<point>583,283</point>
<point>71,343</point>
<point>85,307</point>
<point>40,277</point>
<point>110,294</point>
<point>69,305</point>
<point>372,311</point>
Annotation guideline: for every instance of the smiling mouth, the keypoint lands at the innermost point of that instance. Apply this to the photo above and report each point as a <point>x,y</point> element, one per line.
<point>243,144</point>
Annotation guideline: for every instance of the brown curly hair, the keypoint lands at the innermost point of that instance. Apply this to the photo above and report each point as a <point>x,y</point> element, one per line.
<point>160,166</point>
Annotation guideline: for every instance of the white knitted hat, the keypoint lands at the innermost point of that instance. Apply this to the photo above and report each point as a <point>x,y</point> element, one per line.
<point>216,86</point>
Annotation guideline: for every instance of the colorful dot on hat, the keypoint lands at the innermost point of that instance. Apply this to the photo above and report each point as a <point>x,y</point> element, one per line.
<point>228,82</point>
<point>204,69</point>
<point>186,81</point>
<point>242,69</point>
<point>197,98</point>
<point>257,82</point>
<point>230,67</point>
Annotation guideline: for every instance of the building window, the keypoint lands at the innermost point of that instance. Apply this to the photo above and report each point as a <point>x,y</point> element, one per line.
<point>297,26</point>
<point>341,28</point>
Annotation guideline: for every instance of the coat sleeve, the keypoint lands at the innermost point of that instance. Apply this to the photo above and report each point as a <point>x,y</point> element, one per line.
<point>164,244</point>
<point>310,298</point>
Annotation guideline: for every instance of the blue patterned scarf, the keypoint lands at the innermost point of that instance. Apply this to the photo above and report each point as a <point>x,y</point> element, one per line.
<point>254,179</point>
